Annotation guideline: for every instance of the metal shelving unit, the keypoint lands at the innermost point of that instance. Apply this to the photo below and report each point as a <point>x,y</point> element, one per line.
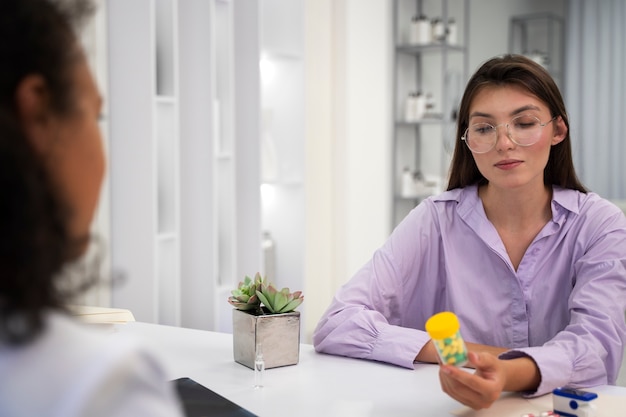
<point>540,36</point>
<point>438,67</point>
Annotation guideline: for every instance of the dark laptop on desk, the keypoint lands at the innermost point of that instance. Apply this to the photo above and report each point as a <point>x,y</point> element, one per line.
<point>199,401</point>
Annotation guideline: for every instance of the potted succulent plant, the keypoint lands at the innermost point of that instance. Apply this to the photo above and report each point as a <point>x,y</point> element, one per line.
<point>266,317</point>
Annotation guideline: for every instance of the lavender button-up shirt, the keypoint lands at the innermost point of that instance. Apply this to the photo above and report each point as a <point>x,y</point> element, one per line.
<point>564,306</point>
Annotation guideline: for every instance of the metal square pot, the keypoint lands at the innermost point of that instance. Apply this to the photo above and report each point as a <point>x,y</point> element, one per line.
<point>278,334</point>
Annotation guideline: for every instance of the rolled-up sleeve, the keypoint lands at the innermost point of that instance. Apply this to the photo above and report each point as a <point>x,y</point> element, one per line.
<point>368,315</point>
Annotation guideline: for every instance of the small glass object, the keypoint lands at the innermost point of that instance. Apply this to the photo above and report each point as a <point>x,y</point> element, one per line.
<point>259,367</point>
<point>444,330</point>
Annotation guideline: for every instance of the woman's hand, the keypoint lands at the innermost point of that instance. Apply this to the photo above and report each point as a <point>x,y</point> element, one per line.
<point>480,389</point>
<point>491,377</point>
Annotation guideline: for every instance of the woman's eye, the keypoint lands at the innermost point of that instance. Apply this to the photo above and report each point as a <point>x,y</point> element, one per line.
<point>525,122</point>
<point>527,125</point>
<point>482,129</point>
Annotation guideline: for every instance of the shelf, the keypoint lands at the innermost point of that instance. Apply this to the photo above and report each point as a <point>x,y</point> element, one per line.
<point>436,71</point>
<point>289,56</point>
<point>540,37</point>
<point>425,120</point>
<point>163,237</point>
<point>164,99</point>
<point>431,47</point>
<point>284,182</point>
<point>224,156</point>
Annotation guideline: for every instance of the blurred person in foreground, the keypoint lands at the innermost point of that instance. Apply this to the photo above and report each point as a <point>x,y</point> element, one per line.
<point>532,263</point>
<point>51,169</point>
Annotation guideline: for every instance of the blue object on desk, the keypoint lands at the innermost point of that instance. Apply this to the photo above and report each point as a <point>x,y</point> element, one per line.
<point>570,402</point>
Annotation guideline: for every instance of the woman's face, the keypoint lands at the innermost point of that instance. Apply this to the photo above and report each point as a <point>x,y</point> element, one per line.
<point>508,165</point>
<point>74,156</point>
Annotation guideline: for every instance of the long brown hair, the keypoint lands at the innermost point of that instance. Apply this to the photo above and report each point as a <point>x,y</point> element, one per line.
<point>524,73</point>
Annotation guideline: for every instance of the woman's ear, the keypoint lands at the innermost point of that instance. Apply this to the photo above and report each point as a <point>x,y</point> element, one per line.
<point>560,131</point>
<point>33,110</point>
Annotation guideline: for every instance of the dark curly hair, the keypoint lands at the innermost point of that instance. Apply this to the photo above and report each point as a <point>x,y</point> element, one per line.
<point>36,37</point>
<point>522,72</point>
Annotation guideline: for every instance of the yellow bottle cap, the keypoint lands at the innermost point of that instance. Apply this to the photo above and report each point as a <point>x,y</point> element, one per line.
<point>442,325</point>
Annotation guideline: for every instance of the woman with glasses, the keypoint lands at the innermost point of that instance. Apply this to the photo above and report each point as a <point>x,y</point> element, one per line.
<point>532,263</point>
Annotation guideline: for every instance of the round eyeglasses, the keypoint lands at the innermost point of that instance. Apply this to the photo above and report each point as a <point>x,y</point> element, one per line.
<point>524,130</point>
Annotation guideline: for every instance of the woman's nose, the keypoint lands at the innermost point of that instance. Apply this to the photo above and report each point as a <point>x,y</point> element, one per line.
<point>503,137</point>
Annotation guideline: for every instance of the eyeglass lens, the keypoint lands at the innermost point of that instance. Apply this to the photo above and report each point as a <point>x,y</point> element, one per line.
<point>524,130</point>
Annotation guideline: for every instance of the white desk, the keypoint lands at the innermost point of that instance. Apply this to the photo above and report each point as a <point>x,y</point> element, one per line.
<point>327,386</point>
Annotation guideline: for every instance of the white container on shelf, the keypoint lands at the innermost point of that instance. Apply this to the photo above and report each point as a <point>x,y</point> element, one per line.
<point>423,30</point>
<point>410,107</point>
<point>420,106</point>
<point>420,32</point>
<point>415,107</point>
<point>438,30</point>
<point>452,32</point>
<point>408,185</point>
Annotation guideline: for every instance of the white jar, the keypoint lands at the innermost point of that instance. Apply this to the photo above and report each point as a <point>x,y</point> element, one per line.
<point>438,30</point>
<point>407,186</point>
<point>410,107</point>
<point>420,106</point>
<point>452,32</point>
<point>424,30</point>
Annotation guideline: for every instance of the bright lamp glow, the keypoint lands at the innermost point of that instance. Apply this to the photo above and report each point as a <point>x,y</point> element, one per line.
<point>267,69</point>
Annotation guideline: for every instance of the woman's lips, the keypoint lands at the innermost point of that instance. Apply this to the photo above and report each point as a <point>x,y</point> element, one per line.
<point>508,164</point>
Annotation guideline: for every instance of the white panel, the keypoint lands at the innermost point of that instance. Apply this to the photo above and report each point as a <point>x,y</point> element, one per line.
<point>222,50</point>
<point>368,127</point>
<point>225,201</point>
<point>247,151</point>
<point>198,282</point>
<point>224,187</point>
<point>282,30</point>
<point>133,198</point>
<point>284,217</point>
<point>167,142</point>
<point>168,277</point>
<point>144,157</point>
<point>164,47</point>
<point>283,115</point>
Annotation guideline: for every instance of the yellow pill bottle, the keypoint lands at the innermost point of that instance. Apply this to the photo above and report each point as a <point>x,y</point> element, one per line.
<point>445,332</point>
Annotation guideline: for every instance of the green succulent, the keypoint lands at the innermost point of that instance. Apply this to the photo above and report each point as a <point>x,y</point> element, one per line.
<point>251,294</point>
<point>244,297</point>
<point>278,301</point>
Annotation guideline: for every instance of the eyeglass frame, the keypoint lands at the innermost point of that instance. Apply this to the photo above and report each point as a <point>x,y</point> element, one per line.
<point>508,133</point>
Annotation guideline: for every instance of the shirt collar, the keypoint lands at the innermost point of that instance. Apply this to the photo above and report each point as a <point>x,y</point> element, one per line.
<point>563,200</point>
<point>566,199</point>
<point>466,198</point>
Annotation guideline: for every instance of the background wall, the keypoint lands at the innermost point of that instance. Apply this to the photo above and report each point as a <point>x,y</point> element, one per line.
<point>348,125</point>
<point>489,24</point>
